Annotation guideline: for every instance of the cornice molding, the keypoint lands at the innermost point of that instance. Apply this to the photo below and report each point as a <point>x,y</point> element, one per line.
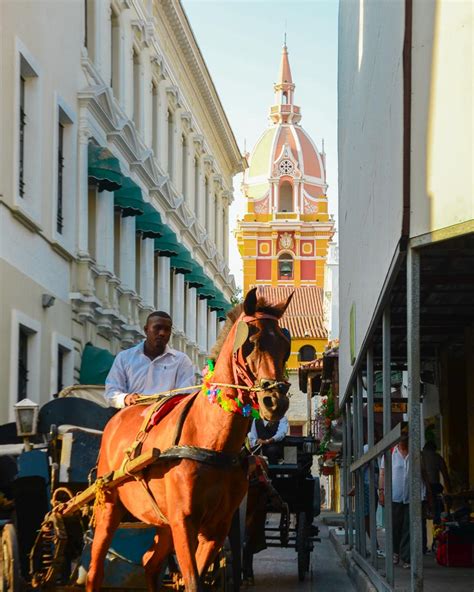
<point>184,36</point>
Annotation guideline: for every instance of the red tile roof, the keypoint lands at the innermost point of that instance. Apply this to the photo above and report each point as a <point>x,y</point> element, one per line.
<point>304,315</point>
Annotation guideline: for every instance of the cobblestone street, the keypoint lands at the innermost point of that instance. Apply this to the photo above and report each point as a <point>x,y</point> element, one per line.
<point>276,570</point>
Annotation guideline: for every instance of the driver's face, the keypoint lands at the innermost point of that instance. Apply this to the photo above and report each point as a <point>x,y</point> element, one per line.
<point>158,332</point>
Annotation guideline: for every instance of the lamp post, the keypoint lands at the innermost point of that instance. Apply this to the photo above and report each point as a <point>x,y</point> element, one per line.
<point>26,417</point>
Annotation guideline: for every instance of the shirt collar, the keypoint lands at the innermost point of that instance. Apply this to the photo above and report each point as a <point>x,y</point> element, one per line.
<point>168,350</point>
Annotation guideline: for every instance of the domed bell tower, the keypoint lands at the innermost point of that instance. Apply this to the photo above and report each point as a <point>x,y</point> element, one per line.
<point>284,234</point>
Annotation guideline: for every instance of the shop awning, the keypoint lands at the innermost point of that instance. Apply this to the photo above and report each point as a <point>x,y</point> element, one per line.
<point>95,365</point>
<point>149,223</point>
<point>207,291</point>
<point>196,278</point>
<point>182,262</point>
<point>167,245</point>
<point>219,304</point>
<point>129,198</point>
<point>103,168</point>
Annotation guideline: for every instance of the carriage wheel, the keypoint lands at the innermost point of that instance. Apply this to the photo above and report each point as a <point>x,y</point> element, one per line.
<point>47,554</point>
<point>10,578</point>
<point>285,525</point>
<point>302,546</point>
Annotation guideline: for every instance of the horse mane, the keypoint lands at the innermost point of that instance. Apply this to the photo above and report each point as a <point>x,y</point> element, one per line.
<point>276,310</point>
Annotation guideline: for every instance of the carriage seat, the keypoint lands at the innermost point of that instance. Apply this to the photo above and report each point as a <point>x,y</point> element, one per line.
<point>79,452</point>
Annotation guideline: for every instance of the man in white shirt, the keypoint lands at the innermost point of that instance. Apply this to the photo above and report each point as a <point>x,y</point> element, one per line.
<point>270,435</point>
<point>149,367</point>
<point>400,501</point>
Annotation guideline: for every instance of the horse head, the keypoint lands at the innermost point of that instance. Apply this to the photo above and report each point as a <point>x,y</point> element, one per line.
<point>259,350</point>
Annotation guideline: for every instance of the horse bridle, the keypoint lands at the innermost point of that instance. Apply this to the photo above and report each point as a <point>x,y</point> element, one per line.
<point>241,370</point>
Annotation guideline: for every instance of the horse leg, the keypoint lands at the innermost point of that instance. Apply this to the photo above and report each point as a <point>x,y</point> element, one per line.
<point>206,553</point>
<point>185,538</point>
<point>156,555</point>
<point>107,519</point>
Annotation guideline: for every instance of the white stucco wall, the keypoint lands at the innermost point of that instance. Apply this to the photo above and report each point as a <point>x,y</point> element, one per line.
<point>442,190</point>
<point>370,159</point>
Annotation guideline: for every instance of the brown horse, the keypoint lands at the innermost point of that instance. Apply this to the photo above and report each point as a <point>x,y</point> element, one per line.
<point>192,502</point>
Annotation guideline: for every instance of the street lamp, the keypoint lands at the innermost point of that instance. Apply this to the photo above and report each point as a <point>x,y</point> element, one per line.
<point>26,417</point>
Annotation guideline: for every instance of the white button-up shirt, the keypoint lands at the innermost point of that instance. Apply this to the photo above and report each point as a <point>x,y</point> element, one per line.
<point>134,372</point>
<point>280,433</point>
<point>400,465</point>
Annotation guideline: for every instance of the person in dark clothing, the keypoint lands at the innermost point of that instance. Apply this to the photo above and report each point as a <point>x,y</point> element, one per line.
<point>269,434</point>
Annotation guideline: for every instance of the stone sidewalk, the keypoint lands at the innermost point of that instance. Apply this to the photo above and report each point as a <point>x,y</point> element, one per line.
<point>436,577</point>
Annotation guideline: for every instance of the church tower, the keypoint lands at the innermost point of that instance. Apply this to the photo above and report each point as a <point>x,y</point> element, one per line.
<point>284,234</point>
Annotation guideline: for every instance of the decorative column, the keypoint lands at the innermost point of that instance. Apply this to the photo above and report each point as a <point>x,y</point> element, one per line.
<point>104,240</point>
<point>191,320</point>
<point>178,301</point>
<point>163,301</point>
<point>83,194</point>
<point>202,325</point>
<point>196,177</point>
<point>163,124</point>
<point>147,271</point>
<point>127,253</point>
<point>211,329</point>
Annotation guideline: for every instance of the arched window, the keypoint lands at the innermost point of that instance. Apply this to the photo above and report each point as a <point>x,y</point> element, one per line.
<point>307,353</point>
<point>285,98</point>
<point>286,197</point>
<point>285,267</point>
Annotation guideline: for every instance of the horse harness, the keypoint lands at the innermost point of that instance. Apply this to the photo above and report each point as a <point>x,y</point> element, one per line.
<point>221,459</point>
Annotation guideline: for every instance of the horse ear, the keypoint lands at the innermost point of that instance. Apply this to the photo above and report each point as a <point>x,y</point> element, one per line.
<point>241,335</point>
<point>284,305</point>
<point>250,302</point>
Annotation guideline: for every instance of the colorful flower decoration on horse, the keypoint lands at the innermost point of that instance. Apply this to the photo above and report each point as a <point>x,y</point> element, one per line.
<point>215,395</point>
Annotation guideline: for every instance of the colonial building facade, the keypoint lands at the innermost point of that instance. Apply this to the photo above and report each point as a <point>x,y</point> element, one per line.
<point>283,236</point>
<point>116,179</point>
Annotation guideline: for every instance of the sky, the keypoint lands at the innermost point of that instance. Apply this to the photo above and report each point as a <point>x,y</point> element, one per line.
<point>241,41</point>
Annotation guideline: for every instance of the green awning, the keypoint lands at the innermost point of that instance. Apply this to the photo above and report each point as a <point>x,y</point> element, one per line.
<point>221,315</point>
<point>103,168</point>
<point>218,303</point>
<point>196,279</point>
<point>167,245</point>
<point>207,291</point>
<point>149,223</point>
<point>182,262</point>
<point>95,365</point>
<point>129,198</point>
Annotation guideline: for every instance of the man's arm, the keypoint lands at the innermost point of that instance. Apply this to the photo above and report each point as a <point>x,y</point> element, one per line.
<point>185,373</point>
<point>281,431</point>
<point>116,384</point>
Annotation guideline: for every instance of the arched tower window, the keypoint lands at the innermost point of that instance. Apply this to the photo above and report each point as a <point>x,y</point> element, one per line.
<point>285,98</point>
<point>286,197</point>
<point>307,353</point>
<point>285,267</point>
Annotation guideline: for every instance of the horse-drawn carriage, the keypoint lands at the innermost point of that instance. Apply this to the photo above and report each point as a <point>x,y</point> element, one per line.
<point>283,500</point>
<point>42,548</point>
<point>58,471</point>
<point>173,491</point>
